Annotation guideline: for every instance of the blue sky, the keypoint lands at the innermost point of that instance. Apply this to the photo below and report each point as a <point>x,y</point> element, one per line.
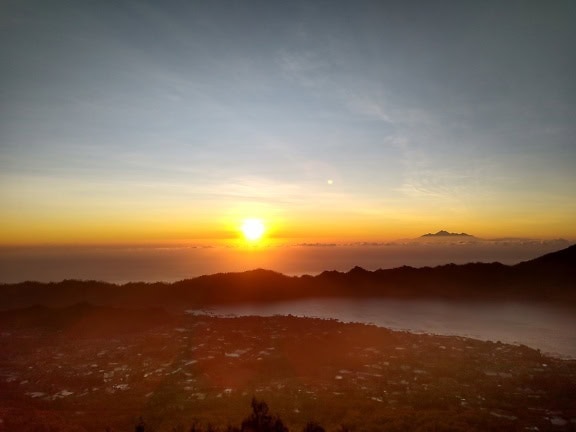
<point>158,114</point>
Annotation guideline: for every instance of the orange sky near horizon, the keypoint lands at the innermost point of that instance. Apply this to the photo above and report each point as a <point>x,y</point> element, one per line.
<point>319,227</point>
<point>171,123</point>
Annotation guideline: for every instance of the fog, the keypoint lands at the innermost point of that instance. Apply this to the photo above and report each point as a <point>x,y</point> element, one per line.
<point>121,264</point>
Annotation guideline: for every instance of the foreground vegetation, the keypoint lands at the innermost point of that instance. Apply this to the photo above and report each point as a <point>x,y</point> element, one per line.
<point>260,420</point>
<point>84,369</point>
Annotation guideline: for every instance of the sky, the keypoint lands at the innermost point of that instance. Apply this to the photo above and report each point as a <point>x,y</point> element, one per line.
<point>170,122</point>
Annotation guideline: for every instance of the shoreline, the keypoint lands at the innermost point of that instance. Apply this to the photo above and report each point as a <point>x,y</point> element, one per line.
<point>435,317</point>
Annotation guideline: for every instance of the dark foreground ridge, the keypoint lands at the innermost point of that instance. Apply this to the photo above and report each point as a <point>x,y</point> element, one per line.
<point>547,278</point>
<point>66,372</point>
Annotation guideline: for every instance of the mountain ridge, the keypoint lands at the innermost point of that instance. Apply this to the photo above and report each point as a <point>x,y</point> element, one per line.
<point>549,277</point>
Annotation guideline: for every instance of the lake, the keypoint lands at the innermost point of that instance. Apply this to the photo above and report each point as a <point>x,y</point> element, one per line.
<point>552,329</point>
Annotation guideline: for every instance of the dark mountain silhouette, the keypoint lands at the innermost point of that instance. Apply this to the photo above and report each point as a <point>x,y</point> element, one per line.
<point>443,233</point>
<point>561,261</point>
<point>547,278</point>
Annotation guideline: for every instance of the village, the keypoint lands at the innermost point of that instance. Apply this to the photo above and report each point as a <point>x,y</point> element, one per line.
<point>204,369</point>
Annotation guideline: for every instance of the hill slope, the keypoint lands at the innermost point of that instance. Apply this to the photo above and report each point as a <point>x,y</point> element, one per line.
<point>550,277</point>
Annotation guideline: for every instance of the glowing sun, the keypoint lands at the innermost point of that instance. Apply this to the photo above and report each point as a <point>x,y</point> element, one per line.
<point>253,229</point>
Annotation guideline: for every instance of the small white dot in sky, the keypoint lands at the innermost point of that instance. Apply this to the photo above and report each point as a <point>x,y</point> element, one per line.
<point>330,182</point>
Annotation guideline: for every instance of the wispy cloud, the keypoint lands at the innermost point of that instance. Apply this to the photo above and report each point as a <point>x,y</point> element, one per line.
<point>305,68</point>
<point>366,105</point>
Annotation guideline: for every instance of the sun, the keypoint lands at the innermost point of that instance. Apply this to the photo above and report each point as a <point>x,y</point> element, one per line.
<point>253,229</point>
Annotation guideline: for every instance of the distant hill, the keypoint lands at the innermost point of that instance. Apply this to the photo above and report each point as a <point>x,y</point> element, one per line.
<point>443,233</point>
<point>547,278</point>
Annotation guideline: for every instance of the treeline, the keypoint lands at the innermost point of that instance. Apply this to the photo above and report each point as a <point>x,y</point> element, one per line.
<point>548,278</point>
<point>260,420</point>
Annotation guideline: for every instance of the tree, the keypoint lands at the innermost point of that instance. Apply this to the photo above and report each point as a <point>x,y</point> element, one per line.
<point>261,421</point>
<point>313,427</point>
<point>141,426</point>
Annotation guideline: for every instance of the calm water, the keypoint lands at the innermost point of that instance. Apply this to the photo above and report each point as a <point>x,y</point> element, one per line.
<point>551,329</point>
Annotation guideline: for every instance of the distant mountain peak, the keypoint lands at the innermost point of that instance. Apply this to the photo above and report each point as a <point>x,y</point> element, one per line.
<point>443,233</point>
